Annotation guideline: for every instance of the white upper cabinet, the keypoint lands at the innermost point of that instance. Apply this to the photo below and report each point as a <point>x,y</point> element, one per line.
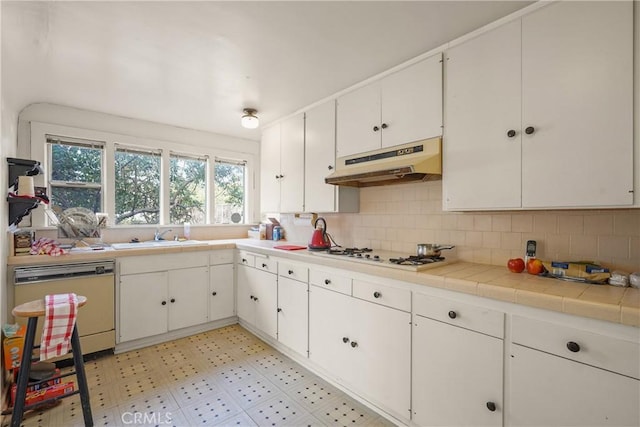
<point>403,107</point>
<point>358,121</point>
<point>270,169</point>
<point>292,164</point>
<point>412,103</point>
<point>282,166</point>
<point>577,88</point>
<point>320,160</point>
<point>539,112</point>
<point>481,162</point>
<point>320,157</point>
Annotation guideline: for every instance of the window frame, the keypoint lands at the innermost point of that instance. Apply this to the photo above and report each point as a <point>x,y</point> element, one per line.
<point>70,141</point>
<point>245,183</point>
<point>37,150</point>
<point>130,149</point>
<point>209,208</point>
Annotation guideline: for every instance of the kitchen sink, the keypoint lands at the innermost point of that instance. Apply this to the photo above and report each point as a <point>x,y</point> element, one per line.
<point>157,244</point>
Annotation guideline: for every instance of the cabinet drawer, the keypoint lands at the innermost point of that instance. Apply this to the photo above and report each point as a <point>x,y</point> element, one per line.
<point>331,281</point>
<point>293,271</point>
<point>602,351</point>
<point>384,295</point>
<point>221,256</point>
<point>467,316</point>
<point>246,258</point>
<point>151,263</point>
<point>265,263</point>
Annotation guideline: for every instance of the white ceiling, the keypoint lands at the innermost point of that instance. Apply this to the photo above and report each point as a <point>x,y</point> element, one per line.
<point>198,64</point>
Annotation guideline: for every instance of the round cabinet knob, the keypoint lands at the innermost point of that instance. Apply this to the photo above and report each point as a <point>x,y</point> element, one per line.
<point>277,177</point>
<point>214,293</point>
<point>529,130</point>
<point>491,406</point>
<point>327,281</point>
<point>264,265</point>
<point>163,303</point>
<point>354,344</point>
<point>330,167</point>
<point>573,346</point>
<point>255,298</point>
<point>279,310</point>
<point>345,340</point>
<point>384,126</point>
<point>244,260</point>
<point>511,133</point>
<point>453,314</point>
<point>251,296</point>
<point>376,128</point>
<point>377,294</point>
<point>290,271</point>
<point>280,176</point>
<point>173,300</point>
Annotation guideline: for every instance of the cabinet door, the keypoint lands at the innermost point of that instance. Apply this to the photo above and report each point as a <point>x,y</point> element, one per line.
<point>320,158</point>
<point>293,314</point>
<point>382,355</point>
<point>292,164</point>
<point>265,287</point>
<point>577,87</point>
<point>330,325</point>
<point>188,302</point>
<point>270,169</point>
<point>552,391</point>
<point>412,103</point>
<point>245,304</point>
<point>481,163</point>
<point>456,372</point>
<point>143,305</point>
<point>221,295</point>
<point>357,114</point>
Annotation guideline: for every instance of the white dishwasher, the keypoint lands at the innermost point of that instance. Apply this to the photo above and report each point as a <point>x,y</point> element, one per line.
<point>95,280</point>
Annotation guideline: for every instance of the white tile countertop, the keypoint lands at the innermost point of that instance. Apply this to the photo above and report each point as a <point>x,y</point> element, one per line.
<point>603,302</point>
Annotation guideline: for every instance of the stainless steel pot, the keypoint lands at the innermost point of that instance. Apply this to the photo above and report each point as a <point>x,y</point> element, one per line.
<point>431,249</point>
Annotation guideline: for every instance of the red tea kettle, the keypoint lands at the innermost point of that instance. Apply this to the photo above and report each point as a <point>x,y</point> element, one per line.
<point>320,238</point>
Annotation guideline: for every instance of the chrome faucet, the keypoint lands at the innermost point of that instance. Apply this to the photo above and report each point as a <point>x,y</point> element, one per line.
<point>158,236</point>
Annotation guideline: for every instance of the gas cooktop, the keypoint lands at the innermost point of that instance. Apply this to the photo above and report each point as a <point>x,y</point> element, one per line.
<point>383,258</point>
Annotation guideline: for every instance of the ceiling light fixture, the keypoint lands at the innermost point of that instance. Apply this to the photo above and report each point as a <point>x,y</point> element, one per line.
<point>249,119</point>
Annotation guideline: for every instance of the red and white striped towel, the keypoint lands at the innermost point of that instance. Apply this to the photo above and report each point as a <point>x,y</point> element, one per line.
<point>59,320</point>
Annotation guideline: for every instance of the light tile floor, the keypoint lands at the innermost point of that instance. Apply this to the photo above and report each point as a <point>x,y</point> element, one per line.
<point>224,377</point>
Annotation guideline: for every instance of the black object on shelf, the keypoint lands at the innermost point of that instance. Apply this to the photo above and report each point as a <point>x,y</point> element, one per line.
<point>22,167</point>
<point>19,207</point>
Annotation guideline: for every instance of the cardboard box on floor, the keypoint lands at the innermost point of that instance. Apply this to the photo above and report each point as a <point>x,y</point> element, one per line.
<point>12,348</point>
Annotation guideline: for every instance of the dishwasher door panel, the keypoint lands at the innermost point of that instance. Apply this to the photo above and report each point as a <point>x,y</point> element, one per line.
<point>97,316</point>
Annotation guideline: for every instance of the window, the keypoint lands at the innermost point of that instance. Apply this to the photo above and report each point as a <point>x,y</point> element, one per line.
<point>137,186</point>
<point>230,191</point>
<point>75,178</point>
<point>188,190</point>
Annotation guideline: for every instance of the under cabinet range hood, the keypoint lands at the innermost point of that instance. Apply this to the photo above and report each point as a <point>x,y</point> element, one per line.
<point>416,161</point>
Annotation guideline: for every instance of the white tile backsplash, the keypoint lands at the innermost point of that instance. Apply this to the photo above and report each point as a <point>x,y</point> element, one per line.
<point>398,217</point>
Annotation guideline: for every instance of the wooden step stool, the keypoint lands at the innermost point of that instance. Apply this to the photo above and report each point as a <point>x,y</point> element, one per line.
<point>32,310</point>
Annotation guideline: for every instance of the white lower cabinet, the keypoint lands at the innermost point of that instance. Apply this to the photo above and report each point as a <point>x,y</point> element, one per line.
<point>457,376</point>
<point>155,303</point>
<point>552,391</point>
<point>364,345</point>
<point>258,299</point>
<point>143,305</point>
<point>293,307</point>
<point>457,357</point>
<point>561,376</point>
<point>187,305</point>
<point>221,285</point>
